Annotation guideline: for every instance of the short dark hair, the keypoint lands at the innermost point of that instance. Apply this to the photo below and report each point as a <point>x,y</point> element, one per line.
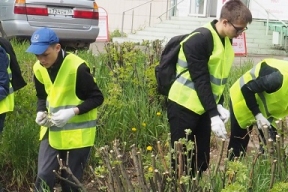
<point>235,10</point>
<point>53,45</point>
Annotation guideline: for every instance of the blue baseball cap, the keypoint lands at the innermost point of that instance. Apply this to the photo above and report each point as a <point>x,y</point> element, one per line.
<point>41,40</point>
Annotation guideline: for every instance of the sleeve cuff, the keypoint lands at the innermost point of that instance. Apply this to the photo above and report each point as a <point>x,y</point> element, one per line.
<point>213,112</point>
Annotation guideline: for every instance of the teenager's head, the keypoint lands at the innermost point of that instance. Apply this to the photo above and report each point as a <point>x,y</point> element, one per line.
<point>45,45</point>
<point>234,18</point>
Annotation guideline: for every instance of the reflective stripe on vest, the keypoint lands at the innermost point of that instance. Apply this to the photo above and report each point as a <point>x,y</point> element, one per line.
<point>7,104</point>
<point>272,105</point>
<point>80,130</point>
<point>183,90</point>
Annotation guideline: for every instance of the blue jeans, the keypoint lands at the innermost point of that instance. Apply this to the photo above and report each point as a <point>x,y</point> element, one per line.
<point>2,119</point>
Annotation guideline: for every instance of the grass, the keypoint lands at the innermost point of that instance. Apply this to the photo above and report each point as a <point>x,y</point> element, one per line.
<point>133,114</point>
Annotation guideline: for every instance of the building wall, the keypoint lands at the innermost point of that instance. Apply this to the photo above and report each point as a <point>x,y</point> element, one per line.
<point>277,9</point>
<point>115,9</point>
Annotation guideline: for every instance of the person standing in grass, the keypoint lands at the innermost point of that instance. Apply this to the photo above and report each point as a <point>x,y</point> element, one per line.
<point>195,100</point>
<point>259,96</point>
<point>68,97</point>
<point>11,80</point>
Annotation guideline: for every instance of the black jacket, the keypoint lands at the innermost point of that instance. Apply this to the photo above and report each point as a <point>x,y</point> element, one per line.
<point>269,80</point>
<point>197,56</point>
<point>4,76</point>
<point>18,81</point>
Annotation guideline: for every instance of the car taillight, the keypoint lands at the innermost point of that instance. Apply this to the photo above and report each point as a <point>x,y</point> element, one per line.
<point>95,11</point>
<point>37,11</point>
<point>19,10</point>
<point>20,7</point>
<point>85,14</point>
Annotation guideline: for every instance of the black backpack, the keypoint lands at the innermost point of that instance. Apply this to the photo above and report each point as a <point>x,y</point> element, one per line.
<point>165,71</point>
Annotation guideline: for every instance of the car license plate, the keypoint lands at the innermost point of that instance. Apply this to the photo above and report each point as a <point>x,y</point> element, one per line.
<point>59,11</point>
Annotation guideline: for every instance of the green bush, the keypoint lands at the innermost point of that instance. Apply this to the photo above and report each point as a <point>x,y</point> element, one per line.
<point>19,142</point>
<point>279,187</point>
<point>116,33</point>
<point>131,109</point>
<point>133,113</point>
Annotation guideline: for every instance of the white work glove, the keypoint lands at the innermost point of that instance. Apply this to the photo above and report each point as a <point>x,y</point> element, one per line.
<point>261,120</point>
<point>61,117</point>
<point>218,127</point>
<point>224,113</point>
<point>42,119</point>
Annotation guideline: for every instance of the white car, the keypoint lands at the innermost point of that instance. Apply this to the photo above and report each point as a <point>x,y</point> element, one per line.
<point>74,21</point>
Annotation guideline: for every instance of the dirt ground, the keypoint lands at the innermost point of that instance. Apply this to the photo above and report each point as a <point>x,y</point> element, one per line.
<point>216,147</point>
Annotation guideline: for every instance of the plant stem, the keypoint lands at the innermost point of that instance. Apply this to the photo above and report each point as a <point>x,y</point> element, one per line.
<point>122,168</point>
<point>219,158</point>
<point>272,174</point>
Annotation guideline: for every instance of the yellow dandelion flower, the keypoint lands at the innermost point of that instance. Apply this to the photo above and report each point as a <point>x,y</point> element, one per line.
<point>167,144</point>
<point>149,148</point>
<point>144,124</point>
<point>150,169</point>
<point>158,113</point>
<point>134,129</point>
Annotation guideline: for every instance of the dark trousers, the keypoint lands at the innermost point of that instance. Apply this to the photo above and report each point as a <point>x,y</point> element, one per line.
<point>239,138</point>
<point>47,162</point>
<point>181,118</point>
<point>2,119</point>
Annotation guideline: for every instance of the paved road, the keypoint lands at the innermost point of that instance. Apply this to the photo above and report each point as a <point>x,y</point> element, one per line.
<point>97,47</point>
<point>255,58</point>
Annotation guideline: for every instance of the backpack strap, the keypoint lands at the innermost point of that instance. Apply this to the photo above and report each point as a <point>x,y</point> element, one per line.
<point>207,33</point>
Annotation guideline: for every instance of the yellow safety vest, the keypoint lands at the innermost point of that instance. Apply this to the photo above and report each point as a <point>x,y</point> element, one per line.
<point>7,104</point>
<point>272,105</point>
<point>80,130</point>
<point>183,92</point>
